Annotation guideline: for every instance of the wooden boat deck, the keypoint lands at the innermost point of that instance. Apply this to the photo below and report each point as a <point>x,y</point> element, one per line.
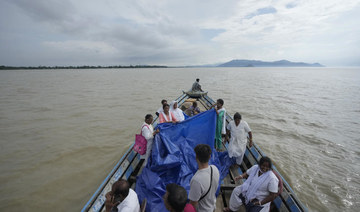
<point>130,165</point>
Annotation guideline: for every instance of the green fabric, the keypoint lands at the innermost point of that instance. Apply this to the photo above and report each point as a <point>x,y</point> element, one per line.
<point>219,126</point>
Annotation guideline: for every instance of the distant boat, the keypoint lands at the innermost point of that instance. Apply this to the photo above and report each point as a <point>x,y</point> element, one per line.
<point>130,165</point>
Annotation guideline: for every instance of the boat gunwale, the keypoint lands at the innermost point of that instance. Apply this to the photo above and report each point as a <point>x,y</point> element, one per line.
<point>107,179</point>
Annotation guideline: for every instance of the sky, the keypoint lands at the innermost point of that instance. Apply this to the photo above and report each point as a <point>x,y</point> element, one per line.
<point>178,33</point>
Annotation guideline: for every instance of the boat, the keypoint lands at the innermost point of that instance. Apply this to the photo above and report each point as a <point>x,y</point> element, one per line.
<point>195,94</point>
<point>130,165</point>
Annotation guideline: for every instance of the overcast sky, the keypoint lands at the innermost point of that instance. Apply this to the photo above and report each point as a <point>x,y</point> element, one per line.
<point>183,32</point>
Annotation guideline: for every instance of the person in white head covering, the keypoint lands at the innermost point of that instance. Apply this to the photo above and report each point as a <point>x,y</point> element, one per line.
<point>178,113</point>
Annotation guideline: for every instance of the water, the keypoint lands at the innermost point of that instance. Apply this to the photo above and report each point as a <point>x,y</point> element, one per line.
<point>62,131</point>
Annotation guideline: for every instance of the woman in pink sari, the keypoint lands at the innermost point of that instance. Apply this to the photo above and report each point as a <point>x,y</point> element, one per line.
<point>166,116</point>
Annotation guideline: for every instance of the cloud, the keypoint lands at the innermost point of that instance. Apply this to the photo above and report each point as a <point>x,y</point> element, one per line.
<point>176,32</point>
<point>287,31</point>
<point>261,11</point>
<point>82,47</point>
<point>208,34</point>
<point>291,5</point>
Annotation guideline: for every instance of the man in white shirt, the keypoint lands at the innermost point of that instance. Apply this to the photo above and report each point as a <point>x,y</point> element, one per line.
<point>239,130</point>
<point>122,198</point>
<point>205,182</point>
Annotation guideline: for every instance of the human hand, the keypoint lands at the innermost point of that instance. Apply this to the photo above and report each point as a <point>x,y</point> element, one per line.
<point>255,202</point>
<point>238,177</point>
<point>109,201</point>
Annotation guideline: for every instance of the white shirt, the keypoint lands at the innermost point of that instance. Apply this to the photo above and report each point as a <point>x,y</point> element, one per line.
<point>264,189</point>
<point>261,193</point>
<point>147,131</point>
<point>200,184</point>
<point>178,113</point>
<point>238,140</point>
<point>130,203</point>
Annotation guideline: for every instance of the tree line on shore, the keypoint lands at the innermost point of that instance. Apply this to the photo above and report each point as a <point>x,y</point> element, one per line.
<point>77,67</point>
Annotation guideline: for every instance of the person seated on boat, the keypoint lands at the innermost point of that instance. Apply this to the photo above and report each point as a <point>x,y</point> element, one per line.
<point>238,129</point>
<point>178,113</point>
<point>163,102</point>
<point>194,109</point>
<point>175,199</point>
<point>205,182</point>
<point>220,123</point>
<point>147,130</point>
<point>258,191</point>
<point>167,116</point>
<point>122,198</point>
<point>196,87</point>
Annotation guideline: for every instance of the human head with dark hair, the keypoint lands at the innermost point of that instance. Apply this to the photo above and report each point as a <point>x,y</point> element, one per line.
<point>219,103</point>
<point>166,108</point>
<point>237,118</point>
<point>194,104</point>
<point>203,153</point>
<point>164,101</point>
<point>120,189</point>
<point>175,198</point>
<point>197,80</point>
<point>149,119</point>
<point>265,164</point>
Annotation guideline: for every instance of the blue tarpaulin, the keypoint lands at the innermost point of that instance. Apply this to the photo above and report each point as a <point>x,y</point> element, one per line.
<point>173,158</point>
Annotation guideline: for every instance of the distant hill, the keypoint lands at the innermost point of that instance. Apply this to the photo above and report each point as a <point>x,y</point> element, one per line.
<point>259,63</point>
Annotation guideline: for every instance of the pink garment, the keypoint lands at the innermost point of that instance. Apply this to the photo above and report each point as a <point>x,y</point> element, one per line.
<point>189,208</point>
<point>162,118</point>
